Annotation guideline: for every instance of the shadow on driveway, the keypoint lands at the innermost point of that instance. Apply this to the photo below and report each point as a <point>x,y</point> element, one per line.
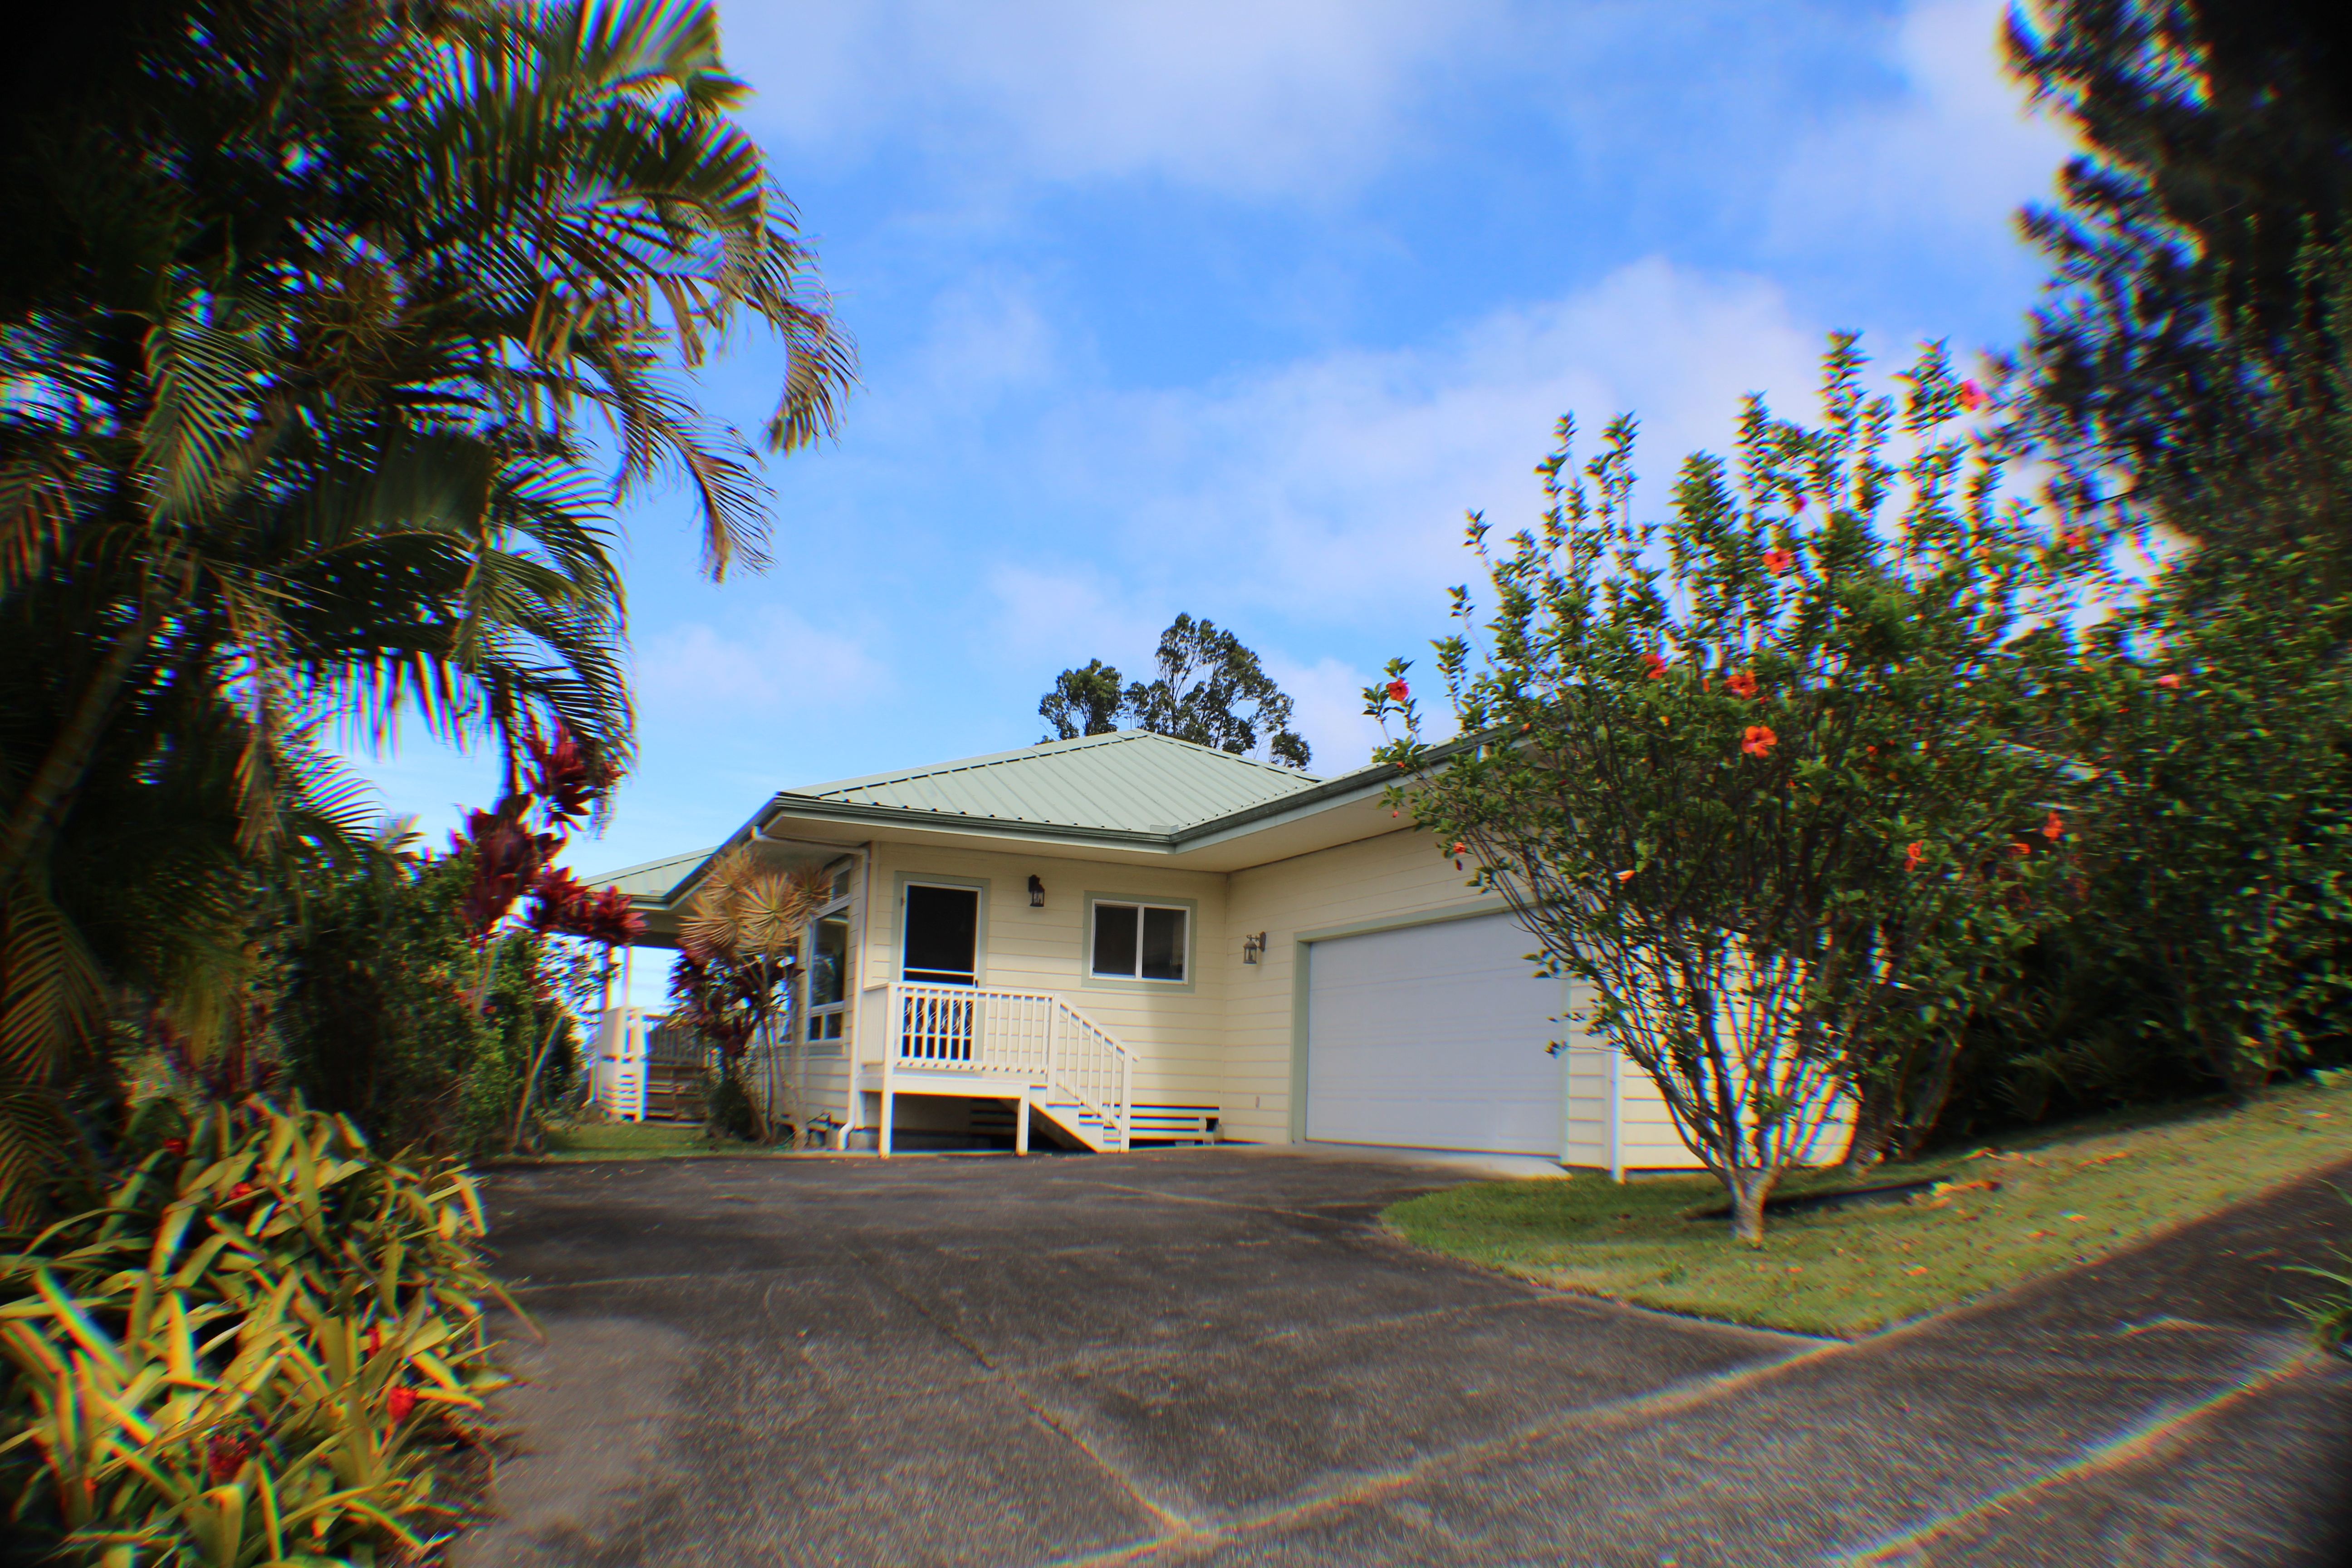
<point>1215,1356</point>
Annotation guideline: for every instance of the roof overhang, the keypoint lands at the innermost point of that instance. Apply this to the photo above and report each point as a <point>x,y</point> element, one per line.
<point>1337,811</point>
<point>792,829</point>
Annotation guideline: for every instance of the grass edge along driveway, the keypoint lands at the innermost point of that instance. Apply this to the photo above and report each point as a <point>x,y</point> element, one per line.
<point>2058,1196</point>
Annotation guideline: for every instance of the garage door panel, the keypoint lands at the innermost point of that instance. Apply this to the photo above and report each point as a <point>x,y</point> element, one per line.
<point>1433,1036</point>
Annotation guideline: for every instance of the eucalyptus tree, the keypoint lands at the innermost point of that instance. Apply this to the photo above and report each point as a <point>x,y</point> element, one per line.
<point>1208,687</point>
<point>345,327</point>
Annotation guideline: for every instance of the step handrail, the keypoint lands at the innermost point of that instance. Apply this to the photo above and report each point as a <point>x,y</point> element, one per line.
<point>1034,1036</point>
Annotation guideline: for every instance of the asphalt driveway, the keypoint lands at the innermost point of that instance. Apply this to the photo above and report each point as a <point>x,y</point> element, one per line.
<point>1215,1356</point>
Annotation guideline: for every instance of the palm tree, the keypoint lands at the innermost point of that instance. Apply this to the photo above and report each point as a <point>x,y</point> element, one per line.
<point>366,316</point>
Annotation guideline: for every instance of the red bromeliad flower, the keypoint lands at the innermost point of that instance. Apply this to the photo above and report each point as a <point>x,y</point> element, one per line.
<point>1653,666</point>
<point>1972,397</point>
<point>224,1455</point>
<point>564,774</point>
<point>1399,691</point>
<point>398,1402</point>
<point>2170,681</point>
<point>1758,742</point>
<point>1624,876</point>
<point>560,905</point>
<point>507,858</point>
<point>2053,829</point>
<point>1778,561</point>
<point>2021,851</point>
<point>1912,853</point>
<point>1740,683</point>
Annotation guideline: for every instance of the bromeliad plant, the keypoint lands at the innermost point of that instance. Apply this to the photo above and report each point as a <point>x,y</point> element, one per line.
<point>247,1356</point>
<point>1753,776</point>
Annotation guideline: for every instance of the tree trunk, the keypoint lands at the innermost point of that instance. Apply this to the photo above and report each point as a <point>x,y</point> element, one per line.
<point>530,1081</point>
<point>1874,1114</point>
<point>59,775</point>
<point>1749,1186</point>
<point>1926,1106</point>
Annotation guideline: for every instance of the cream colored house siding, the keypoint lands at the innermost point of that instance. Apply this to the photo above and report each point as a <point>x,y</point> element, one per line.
<point>1174,1030</point>
<point>1389,878</point>
<point>1646,1139</point>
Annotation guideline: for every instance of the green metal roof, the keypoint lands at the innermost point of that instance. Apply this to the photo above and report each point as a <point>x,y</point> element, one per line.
<point>1130,781</point>
<point>654,879</point>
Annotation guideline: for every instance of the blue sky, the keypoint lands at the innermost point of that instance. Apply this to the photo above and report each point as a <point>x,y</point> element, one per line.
<point>1232,307</point>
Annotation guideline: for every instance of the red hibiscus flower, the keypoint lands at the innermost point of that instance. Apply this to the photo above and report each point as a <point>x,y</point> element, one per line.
<point>1972,397</point>
<point>1778,562</point>
<point>1740,683</point>
<point>2053,829</point>
<point>398,1402</point>
<point>1758,740</point>
<point>1399,691</point>
<point>1913,854</point>
<point>2170,682</point>
<point>2021,851</point>
<point>2073,538</point>
<point>175,1146</point>
<point>1624,876</point>
<point>1654,667</point>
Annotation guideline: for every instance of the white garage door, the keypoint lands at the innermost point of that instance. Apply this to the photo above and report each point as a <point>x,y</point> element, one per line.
<point>1433,1038</point>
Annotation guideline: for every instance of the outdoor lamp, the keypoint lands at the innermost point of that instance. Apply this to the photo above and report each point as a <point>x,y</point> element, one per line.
<point>1252,946</point>
<point>1036,894</point>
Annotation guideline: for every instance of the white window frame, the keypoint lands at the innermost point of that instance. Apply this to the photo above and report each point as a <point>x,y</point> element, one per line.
<point>824,1029</point>
<point>1188,907</point>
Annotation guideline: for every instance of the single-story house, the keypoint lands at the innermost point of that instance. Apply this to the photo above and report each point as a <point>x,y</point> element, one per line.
<point>1126,936</point>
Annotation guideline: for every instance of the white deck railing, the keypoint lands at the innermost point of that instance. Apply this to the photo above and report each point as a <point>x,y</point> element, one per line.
<point>1034,1037</point>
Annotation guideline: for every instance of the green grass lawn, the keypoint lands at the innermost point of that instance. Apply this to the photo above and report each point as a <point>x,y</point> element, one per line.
<point>636,1141</point>
<point>2054,1197</point>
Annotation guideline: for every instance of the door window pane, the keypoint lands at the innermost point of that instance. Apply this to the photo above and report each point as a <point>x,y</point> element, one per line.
<point>1115,939</point>
<point>942,932</point>
<point>1163,944</point>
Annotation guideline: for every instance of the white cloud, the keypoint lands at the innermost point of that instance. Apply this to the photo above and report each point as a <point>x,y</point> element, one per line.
<point>1244,96</point>
<point>1949,161</point>
<point>1327,711</point>
<point>783,667</point>
<point>1335,486</point>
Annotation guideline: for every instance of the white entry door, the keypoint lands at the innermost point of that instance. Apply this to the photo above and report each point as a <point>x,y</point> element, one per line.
<point>1433,1038</point>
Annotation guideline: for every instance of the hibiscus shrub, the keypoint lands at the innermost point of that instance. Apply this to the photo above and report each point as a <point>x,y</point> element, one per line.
<point>1752,775</point>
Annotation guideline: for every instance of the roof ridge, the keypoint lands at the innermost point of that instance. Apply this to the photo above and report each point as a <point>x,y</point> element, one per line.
<point>1044,749</point>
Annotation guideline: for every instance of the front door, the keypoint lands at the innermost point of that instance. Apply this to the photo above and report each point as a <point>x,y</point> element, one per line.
<point>941,948</point>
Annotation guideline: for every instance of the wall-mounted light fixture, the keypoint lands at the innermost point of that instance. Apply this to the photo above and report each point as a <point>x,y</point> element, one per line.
<point>1036,894</point>
<point>1252,947</point>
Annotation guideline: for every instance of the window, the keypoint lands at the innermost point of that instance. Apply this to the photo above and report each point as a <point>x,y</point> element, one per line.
<point>826,948</point>
<point>829,980</point>
<point>1140,941</point>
